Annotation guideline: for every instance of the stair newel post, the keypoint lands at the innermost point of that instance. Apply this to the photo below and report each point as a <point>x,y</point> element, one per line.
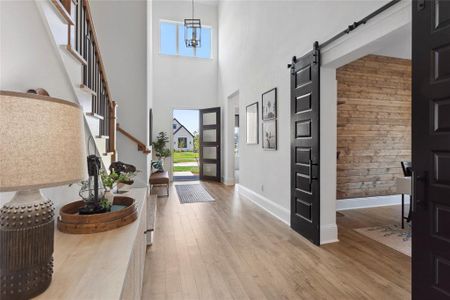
<point>112,128</point>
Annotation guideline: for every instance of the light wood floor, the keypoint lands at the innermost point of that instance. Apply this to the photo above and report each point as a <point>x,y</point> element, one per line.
<point>232,249</point>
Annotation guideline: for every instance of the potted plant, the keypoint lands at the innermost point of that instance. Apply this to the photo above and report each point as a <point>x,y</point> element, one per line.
<point>113,179</point>
<point>160,147</point>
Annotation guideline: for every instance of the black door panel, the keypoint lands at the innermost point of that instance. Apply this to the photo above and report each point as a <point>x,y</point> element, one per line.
<point>210,144</point>
<point>431,149</point>
<point>305,187</point>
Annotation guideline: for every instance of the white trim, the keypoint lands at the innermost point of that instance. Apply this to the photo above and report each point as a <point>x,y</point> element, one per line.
<point>357,44</point>
<point>367,202</point>
<point>350,47</point>
<point>276,210</point>
<point>181,22</point>
<point>228,181</point>
<point>328,234</point>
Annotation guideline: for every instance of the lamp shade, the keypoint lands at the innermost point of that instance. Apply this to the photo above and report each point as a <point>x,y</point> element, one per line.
<point>42,142</point>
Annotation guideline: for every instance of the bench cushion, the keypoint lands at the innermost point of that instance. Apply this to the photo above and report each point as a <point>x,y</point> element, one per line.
<point>159,178</point>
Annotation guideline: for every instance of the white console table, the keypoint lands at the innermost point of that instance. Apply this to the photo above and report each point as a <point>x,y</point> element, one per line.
<point>107,265</point>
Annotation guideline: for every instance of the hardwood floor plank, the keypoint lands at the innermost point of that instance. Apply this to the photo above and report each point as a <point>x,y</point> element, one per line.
<point>232,249</point>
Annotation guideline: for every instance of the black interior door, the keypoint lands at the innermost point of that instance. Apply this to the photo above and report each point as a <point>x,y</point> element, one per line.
<point>431,149</point>
<point>210,144</point>
<point>305,193</point>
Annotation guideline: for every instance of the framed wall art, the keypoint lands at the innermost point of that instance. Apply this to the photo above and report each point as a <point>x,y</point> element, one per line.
<point>269,135</point>
<point>269,105</point>
<point>252,119</point>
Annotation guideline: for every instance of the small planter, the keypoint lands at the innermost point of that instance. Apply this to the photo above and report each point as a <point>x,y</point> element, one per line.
<point>109,196</point>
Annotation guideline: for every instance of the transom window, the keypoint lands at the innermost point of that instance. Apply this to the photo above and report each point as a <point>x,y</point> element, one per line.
<point>171,40</point>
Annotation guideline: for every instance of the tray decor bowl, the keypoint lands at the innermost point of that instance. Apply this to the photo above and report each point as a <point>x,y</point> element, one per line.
<point>70,221</point>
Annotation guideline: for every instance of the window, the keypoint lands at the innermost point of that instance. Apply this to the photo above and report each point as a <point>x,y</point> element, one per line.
<point>174,126</point>
<point>182,142</point>
<point>172,40</point>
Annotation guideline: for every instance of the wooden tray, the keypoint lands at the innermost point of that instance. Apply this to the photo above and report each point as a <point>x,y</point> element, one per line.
<point>70,221</point>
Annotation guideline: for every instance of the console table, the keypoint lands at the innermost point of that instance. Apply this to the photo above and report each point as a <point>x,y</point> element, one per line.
<point>107,265</point>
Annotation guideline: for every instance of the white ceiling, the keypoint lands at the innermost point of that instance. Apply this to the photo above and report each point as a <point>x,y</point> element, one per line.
<point>396,44</point>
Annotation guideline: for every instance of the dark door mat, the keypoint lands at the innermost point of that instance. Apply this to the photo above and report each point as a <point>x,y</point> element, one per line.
<point>185,178</point>
<point>191,193</point>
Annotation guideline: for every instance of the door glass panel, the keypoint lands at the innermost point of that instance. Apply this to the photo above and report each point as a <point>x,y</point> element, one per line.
<point>209,118</point>
<point>209,135</point>
<point>209,153</point>
<point>209,170</point>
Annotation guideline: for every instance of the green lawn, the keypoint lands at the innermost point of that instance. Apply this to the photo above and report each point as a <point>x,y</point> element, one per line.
<point>184,157</point>
<point>186,169</point>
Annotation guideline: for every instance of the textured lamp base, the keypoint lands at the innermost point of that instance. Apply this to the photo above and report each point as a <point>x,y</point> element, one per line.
<point>26,244</point>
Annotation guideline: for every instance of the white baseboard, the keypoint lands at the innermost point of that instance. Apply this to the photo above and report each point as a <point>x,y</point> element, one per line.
<point>368,202</point>
<point>274,209</point>
<point>228,181</point>
<point>328,234</point>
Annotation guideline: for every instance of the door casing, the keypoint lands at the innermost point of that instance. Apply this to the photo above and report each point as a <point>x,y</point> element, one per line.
<point>360,42</point>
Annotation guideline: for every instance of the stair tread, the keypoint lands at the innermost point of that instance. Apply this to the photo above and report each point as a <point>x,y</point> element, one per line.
<point>94,115</point>
<point>87,89</point>
<point>76,55</point>
<point>63,12</point>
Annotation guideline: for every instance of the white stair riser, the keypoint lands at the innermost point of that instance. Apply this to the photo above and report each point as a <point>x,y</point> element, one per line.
<point>101,145</point>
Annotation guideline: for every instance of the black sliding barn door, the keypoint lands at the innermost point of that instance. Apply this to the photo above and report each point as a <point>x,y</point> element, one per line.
<point>431,149</point>
<point>305,193</point>
<point>210,144</point>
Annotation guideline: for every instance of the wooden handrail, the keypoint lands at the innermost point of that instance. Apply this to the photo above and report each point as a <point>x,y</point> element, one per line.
<point>90,20</point>
<point>83,44</point>
<point>82,41</point>
<point>141,146</point>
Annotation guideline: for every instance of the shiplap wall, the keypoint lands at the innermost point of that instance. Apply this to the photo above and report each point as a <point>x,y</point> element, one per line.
<point>374,125</point>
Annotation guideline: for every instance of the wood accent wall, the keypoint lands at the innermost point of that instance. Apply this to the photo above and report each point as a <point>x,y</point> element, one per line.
<point>374,125</point>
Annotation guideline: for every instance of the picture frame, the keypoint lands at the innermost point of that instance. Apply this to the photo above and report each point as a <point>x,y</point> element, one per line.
<point>269,130</point>
<point>252,122</point>
<point>269,105</point>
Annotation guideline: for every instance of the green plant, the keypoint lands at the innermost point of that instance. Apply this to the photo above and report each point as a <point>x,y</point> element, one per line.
<point>159,145</point>
<point>109,180</point>
<point>196,141</point>
<point>104,203</point>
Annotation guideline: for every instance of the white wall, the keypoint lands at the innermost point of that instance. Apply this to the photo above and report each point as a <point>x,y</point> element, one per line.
<point>122,33</point>
<point>257,40</point>
<point>29,59</point>
<point>182,82</point>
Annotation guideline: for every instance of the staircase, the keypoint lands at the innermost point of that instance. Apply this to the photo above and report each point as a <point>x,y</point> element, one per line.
<point>71,26</point>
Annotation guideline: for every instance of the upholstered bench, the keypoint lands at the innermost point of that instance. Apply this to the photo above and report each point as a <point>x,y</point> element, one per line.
<point>160,178</point>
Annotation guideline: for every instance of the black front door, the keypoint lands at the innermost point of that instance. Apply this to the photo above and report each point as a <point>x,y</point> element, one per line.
<point>210,144</point>
<point>431,149</point>
<point>305,188</point>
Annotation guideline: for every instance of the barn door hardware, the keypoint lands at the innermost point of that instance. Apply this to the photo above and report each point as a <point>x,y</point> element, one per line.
<point>292,65</point>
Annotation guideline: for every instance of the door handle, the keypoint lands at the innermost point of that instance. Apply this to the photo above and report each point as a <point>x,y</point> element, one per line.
<point>311,178</point>
<point>423,180</point>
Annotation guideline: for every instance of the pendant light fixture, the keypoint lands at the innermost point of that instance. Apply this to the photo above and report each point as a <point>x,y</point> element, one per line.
<point>192,31</point>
